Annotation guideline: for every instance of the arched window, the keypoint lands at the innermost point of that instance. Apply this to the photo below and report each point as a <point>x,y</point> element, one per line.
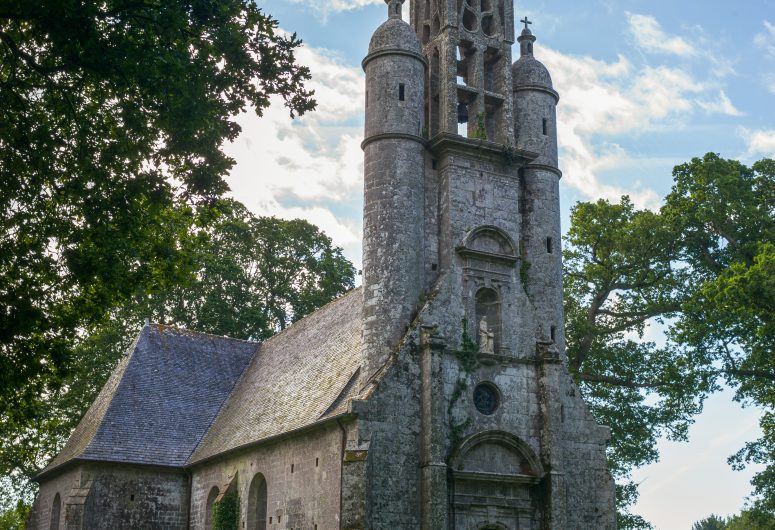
<point>209,507</point>
<point>56,509</point>
<point>488,307</point>
<point>257,503</point>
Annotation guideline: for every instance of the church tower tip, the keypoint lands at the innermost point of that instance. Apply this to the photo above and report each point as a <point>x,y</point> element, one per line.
<point>394,8</point>
<point>526,39</point>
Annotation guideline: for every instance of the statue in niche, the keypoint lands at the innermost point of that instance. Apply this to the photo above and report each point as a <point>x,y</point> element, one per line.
<point>486,337</point>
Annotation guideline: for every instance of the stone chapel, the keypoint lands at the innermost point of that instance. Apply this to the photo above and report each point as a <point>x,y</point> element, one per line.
<point>436,395</point>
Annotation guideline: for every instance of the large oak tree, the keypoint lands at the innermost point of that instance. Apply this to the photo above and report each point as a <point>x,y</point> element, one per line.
<point>113,116</point>
<point>701,273</point>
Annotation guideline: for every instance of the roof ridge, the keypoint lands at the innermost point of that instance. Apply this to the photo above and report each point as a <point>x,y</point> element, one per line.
<point>162,327</point>
<point>309,315</point>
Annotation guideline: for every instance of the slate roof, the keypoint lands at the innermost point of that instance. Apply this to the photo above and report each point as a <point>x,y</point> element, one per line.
<point>303,375</point>
<point>160,400</point>
<point>179,396</point>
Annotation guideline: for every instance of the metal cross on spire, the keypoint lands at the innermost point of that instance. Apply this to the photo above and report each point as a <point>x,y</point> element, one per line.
<point>525,21</point>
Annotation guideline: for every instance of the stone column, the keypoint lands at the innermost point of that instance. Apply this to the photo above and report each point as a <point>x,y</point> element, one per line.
<point>433,469</point>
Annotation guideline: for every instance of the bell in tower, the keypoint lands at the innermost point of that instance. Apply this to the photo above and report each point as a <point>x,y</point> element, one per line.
<point>467,44</point>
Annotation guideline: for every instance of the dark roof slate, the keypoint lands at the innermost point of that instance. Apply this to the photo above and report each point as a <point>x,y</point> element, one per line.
<point>302,375</point>
<point>160,400</point>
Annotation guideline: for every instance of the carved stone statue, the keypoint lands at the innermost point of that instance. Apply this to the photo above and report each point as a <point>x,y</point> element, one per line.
<point>486,337</point>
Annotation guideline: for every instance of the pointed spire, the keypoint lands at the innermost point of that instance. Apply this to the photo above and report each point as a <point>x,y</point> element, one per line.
<point>526,39</point>
<point>394,8</point>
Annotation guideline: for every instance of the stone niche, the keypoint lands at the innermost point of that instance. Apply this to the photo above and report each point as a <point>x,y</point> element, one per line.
<point>495,484</point>
<point>489,257</point>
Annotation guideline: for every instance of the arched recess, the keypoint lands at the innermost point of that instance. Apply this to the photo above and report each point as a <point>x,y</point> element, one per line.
<point>56,510</point>
<point>214,491</point>
<point>495,471</point>
<point>257,503</point>
<point>489,243</point>
<point>488,309</point>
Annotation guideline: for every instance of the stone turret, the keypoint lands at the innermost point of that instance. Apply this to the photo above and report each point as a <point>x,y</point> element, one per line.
<point>393,185</point>
<point>535,129</point>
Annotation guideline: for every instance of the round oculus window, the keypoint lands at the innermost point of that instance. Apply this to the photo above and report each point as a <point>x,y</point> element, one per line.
<point>486,398</point>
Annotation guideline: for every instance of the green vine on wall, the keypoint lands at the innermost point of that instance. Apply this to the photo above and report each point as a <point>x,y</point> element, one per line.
<point>467,357</point>
<point>226,512</point>
<point>511,156</point>
<point>524,269</point>
<point>480,132</point>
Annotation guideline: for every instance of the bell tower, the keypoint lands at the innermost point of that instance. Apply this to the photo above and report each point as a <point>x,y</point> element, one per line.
<point>462,320</point>
<point>467,44</point>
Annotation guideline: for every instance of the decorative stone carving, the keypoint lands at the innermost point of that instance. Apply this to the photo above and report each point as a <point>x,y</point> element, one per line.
<point>486,337</point>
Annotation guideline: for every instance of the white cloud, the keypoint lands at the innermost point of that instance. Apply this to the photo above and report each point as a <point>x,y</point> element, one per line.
<point>601,101</point>
<point>328,6</point>
<point>650,37</point>
<point>766,39</point>
<point>721,105</point>
<point>760,142</point>
<point>312,166</point>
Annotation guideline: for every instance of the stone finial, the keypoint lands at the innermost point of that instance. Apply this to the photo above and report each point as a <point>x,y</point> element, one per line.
<point>526,39</point>
<point>394,8</point>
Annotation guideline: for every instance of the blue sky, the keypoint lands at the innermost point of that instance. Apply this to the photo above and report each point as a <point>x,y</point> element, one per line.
<point>644,85</point>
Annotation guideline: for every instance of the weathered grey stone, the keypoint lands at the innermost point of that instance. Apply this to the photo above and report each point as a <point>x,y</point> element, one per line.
<point>380,410</point>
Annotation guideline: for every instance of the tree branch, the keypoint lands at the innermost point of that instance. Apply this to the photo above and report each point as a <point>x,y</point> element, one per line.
<point>617,381</point>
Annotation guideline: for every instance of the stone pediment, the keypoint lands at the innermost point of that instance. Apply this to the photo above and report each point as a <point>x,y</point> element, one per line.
<point>489,243</point>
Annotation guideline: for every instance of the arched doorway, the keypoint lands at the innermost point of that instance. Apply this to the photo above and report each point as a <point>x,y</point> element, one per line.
<point>214,491</point>
<point>494,477</point>
<point>56,510</point>
<point>257,503</point>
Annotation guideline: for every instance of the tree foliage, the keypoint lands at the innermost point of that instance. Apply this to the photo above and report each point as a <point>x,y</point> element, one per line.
<point>226,512</point>
<point>749,519</point>
<point>113,115</point>
<point>713,522</point>
<point>252,276</point>
<point>698,272</point>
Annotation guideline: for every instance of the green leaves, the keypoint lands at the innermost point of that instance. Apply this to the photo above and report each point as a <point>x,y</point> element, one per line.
<point>247,277</point>
<point>662,306</point>
<point>113,116</point>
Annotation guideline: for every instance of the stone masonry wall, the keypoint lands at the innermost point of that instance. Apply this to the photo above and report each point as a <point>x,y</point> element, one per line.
<point>302,476</point>
<point>62,484</point>
<point>96,496</point>
<point>123,496</point>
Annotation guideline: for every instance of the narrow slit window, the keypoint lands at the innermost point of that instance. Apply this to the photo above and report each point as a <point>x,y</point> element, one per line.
<point>552,332</point>
<point>367,99</point>
<point>317,461</point>
<point>546,126</point>
<point>400,91</point>
<point>549,245</point>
